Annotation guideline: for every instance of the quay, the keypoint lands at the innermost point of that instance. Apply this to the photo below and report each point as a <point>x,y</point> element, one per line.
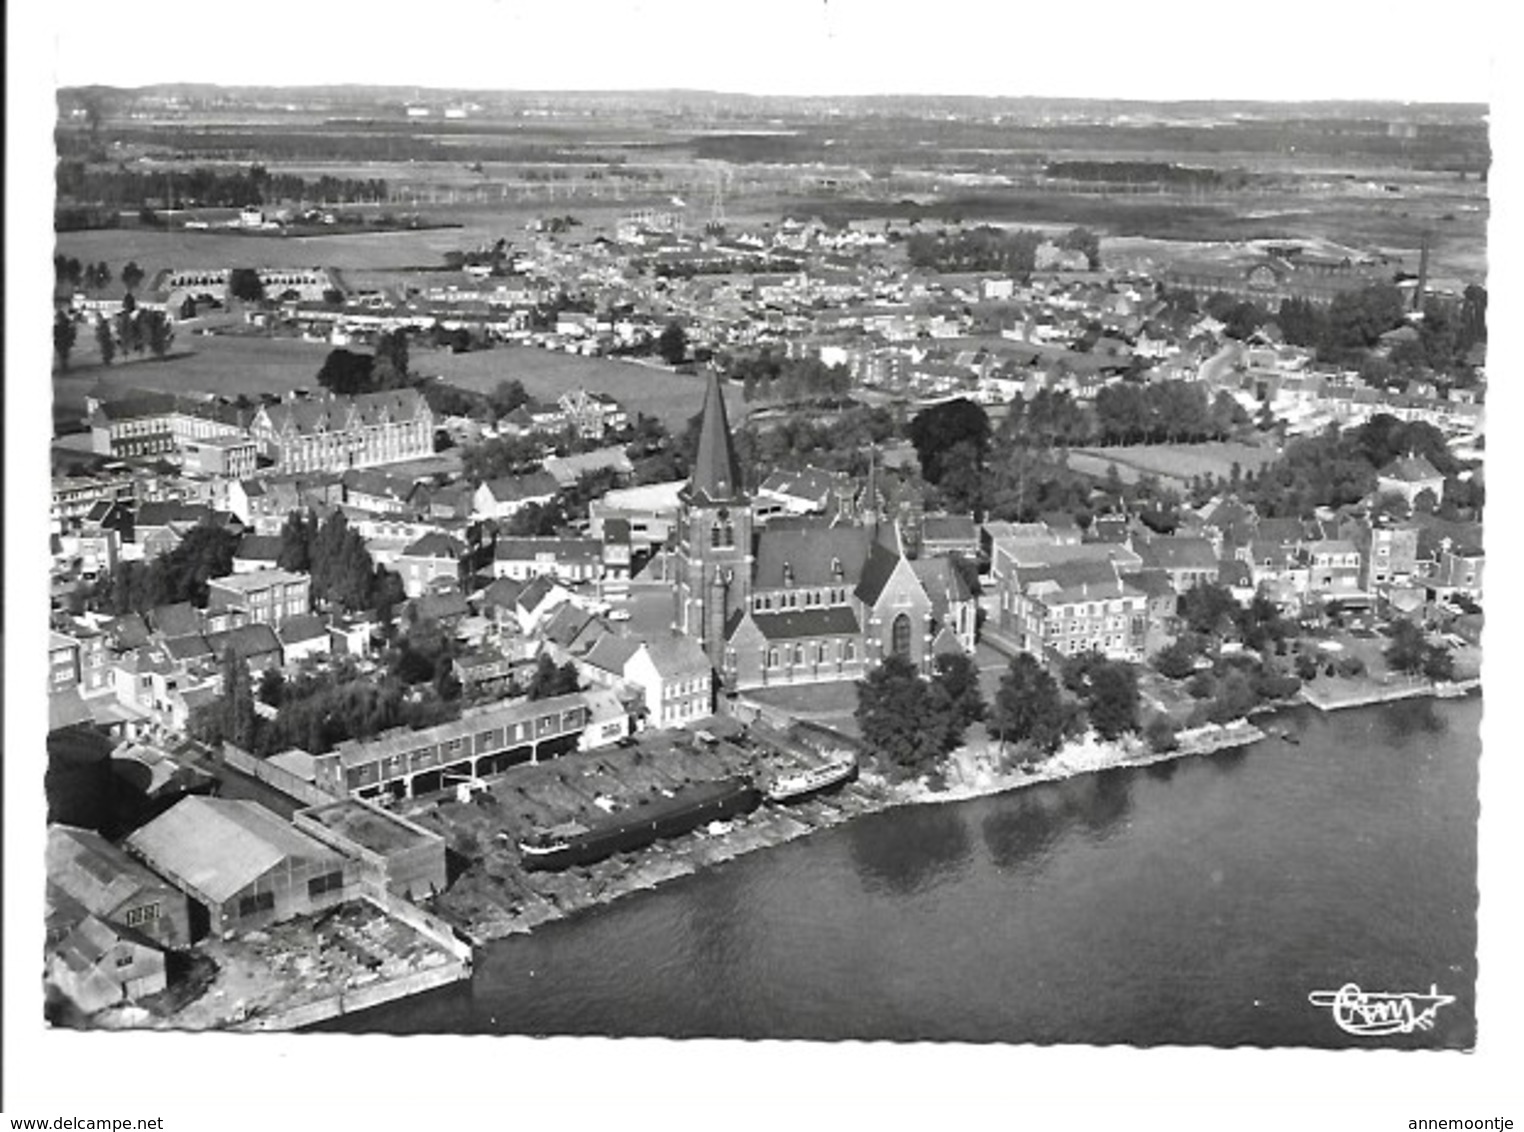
<point>1325,699</point>
<point>494,896</point>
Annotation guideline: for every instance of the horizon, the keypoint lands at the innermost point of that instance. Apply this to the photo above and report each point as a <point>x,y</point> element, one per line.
<point>708,92</point>
<point>1188,51</point>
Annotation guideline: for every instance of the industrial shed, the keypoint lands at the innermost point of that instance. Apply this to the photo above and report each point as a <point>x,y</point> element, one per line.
<point>247,867</point>
<point>395,855</point>
<point>100,879</point>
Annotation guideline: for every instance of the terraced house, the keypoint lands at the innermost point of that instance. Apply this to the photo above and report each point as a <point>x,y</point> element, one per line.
<point>334,434</point>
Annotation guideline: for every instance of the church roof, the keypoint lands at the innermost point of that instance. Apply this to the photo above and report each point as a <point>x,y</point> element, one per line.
<point>716,472</point>
<point>808,555</point>
<point>877,571</point>
<point>838,621</point>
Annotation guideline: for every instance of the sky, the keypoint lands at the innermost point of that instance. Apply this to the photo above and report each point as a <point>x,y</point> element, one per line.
<point>1167,49</point>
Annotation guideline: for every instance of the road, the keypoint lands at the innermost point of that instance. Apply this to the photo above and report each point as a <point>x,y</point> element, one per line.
<point>1218,365</point>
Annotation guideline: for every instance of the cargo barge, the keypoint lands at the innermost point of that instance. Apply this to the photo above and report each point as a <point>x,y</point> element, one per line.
<point>667,814</point>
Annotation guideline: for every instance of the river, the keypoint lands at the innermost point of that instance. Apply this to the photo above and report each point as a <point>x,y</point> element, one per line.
<point>1193,902</point>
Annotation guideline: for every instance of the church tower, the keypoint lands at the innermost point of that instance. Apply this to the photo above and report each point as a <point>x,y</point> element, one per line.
<point>713,555</point>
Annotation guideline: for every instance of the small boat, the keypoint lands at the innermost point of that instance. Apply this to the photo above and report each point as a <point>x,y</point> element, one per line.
<point>1291,737</point>
<point>799,784</point>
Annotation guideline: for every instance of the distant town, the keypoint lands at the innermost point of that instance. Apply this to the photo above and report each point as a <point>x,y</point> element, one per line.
<point>401,606</point>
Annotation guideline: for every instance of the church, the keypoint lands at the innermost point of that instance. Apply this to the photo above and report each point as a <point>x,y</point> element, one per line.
<point>802,600</point>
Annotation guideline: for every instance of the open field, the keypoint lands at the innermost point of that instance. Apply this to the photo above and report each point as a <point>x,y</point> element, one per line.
<point>671,397</point>
<point>154,250</point>
<point>1178,461</point>
<point>226,365</point>
<point>229,365</point>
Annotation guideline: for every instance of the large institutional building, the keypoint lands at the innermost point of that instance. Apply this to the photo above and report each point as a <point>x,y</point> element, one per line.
<point>334,434</point>
<point>807,599</point>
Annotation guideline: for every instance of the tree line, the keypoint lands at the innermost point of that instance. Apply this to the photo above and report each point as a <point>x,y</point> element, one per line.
<point>178,575</point>
<point>207,187</point>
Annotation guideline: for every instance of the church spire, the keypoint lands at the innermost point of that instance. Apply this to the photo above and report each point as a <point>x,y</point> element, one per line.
<point>716,472</point>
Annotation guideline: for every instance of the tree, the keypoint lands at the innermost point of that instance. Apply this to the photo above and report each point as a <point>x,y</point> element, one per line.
<point>936,431</point>
<point>1160,733</point>
<point>507,396</point>
<point>1113,699</point>
<point>272,685</point>
<point>550,680</point>
<point>105,340</point>
<point>1176,661</point>
<point>1208,607</point>
<point>1028,707</point>
<point>346,372</point>
<point>902,719</point>
<point>1438,663</point>
<point>1407,651</point>
<point>157,331</point>
<point>64,333</point>
<point>672,345</point>
<point>1086,241</point>
<point>390,369</point>
<point>958,676</point>
<point>132,275</point>
<point>244,284</point>
<point>240,721</point>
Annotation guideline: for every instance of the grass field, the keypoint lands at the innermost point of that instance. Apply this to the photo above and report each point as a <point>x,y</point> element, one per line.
<point>546,374</point>
<point>230,365</point>
<point>1181,461</point>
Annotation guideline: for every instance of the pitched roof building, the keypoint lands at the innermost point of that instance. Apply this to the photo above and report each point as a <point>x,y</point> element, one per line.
<point>334,434</point>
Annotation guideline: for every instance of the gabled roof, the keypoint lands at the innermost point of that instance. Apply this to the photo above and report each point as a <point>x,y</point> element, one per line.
<point>92,871</point>
<point>946,641</point>
<point>177,620</point>
<point>561,549</point>
<point>187,647</point>
<point>513,489</point>
<point>502,593</point>
<point>948,528</point>
<point>337,413</point>
<point>565,623</point>
<point>245,641</point>
<point>258,548</point>
<point>716,474</point>
<point>129,631</point>
<point>436,544</point>
<point>942,582</point>
<point>611,652</point>
<point>1065,582</point>
<point>1410,469</point>
<point>438,607</point>
<point>810,484</point>
<point>159,514</point>
<point>218,846</point>
<point>794,624</point>
<point>811,552</point>
<point>307,627</point>
<point>877,570</point>
<point>1176,553</point>
<point>674,655</point>
<point>567,470</point>
<point>535,592</point>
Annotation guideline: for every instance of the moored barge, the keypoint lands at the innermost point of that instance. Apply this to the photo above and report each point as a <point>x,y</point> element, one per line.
<point>666,814</point>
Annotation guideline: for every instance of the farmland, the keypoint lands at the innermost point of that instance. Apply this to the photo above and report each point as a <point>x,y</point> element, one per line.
<point>546,374</point>
<point>1178,462</point>
<point>253,364</point>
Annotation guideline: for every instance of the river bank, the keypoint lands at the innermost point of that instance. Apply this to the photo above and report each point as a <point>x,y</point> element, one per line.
<point>495,897</point>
